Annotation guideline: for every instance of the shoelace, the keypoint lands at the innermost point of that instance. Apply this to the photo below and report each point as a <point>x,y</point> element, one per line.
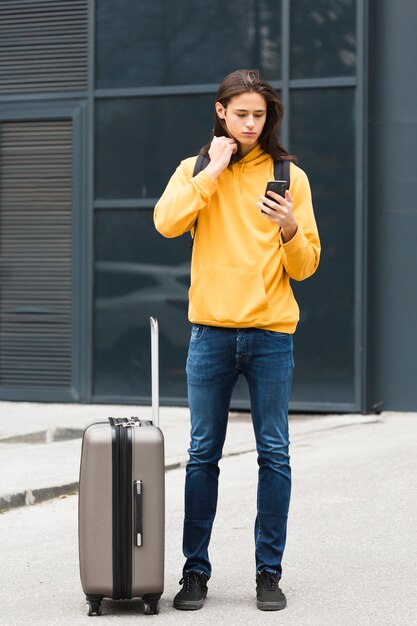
<point>268,580</point>
<point>190,580</point>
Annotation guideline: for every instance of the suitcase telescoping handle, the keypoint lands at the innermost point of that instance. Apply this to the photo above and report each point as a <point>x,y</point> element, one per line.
<point>138,485</point>
<point>155,370</point>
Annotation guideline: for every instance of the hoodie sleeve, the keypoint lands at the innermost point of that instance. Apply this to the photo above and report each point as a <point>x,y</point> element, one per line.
<point>301,254</point>
<point>184,196</point>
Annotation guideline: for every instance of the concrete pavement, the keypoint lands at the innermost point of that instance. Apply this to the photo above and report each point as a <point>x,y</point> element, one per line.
<point>40,443</point>
<point>352,547</point>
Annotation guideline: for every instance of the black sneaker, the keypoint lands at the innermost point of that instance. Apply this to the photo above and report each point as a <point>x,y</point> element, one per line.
<point>193,593</point>
<point>269,596</point>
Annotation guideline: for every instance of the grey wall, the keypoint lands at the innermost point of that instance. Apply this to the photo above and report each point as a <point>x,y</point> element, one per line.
<point>392,228</point>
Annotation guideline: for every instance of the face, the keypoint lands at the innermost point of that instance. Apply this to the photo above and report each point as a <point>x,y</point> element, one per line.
<point>245,117</point>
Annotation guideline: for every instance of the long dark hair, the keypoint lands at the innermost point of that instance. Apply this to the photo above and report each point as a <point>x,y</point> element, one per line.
<point>244,81</point>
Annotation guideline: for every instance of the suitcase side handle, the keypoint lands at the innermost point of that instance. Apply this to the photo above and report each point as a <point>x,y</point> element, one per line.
<point>155,370</point>
<point>138,513</point>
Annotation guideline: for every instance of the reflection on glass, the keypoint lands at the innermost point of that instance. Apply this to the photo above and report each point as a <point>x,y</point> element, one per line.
<point>323,38</point>
<point>322,135</point>
<point>142,43</point>
<point>138,274</point>
<point>140,142</point>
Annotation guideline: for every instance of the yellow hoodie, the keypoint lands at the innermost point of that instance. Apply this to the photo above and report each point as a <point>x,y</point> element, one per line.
<point>241,268</point>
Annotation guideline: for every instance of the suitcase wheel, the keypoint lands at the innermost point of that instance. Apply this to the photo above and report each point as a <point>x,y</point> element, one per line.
<point>94,606</point>
<point>151,605</point>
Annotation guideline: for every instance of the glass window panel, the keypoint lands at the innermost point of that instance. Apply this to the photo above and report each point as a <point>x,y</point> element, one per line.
<point>323,38</point>
<point>134,279</point>
<point>142,43</point>
<point>138,273</point>
<point>322,136</point>
<point>140,141</point>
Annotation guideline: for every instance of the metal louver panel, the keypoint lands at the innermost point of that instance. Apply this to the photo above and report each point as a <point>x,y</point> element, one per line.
<point>43,45</point>
<point>35,254</point>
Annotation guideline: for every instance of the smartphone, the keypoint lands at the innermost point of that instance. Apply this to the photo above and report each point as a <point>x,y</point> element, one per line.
<point>278,186</point>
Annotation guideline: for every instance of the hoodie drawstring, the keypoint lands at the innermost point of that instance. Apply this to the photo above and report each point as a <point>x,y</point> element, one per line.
<point>238,184</point>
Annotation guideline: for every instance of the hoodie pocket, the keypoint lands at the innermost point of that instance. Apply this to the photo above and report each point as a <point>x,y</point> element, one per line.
<point>228,295</point>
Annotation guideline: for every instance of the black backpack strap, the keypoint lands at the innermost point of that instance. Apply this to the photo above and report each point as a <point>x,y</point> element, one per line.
<point>282,171</point>
<point>200,164</point>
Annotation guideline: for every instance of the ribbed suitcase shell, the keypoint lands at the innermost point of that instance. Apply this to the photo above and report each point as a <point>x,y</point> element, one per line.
<point>95,511</point>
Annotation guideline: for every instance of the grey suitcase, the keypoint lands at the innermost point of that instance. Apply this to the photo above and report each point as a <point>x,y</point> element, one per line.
<point>122,506</point>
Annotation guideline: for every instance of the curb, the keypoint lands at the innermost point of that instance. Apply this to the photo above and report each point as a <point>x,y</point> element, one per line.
<point>29,497</point>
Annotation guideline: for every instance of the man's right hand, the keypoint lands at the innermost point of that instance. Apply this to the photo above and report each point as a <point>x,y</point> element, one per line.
<point>220,153</point>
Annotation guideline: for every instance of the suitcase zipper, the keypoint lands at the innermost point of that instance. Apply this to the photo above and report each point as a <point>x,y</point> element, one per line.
<point>122,509</point>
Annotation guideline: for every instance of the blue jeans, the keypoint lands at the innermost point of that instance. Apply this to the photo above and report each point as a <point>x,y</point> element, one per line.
<point>216,357</point>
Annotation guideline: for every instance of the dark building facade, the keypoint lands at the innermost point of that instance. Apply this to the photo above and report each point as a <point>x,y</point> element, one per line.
<point>100,100</point>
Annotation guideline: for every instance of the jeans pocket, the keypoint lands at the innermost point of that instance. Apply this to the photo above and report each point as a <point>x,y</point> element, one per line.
<point>276,334</point>
<point>197,332</point>
<point>281,343</point>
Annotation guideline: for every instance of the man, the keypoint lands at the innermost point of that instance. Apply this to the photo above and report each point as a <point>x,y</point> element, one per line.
<point>247,247</point>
